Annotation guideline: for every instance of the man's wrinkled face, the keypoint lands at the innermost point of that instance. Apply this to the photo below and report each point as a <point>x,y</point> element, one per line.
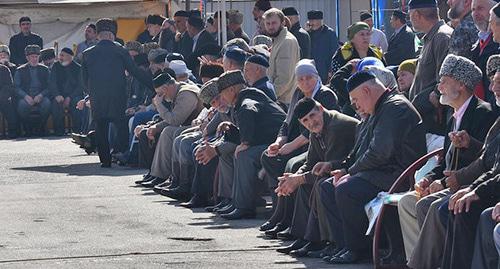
<point>405,80</point>
<point>274,25</point>
<point>481,14</point>
<point>313,121</point>
<point>229,96</point>
<point>307,83</point>
<point>65,59</point>
<point>315,24</point>
<point>361,99</point>
<point>25,26</point>
<point>449,89</point>
<point>496,87</point>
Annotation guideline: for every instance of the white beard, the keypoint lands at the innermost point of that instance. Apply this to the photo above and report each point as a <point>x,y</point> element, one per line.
<point>447,99</point>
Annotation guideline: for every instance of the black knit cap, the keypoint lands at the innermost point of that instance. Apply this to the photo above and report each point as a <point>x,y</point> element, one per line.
<point>304,106</point>
<point>413,4</point>
<point>496,10</point>
<point>162,79</point>
<point>365,15</point>
<point>399,14</point>
<point>359,78</point>
<point>315,15</point>
<point>68,51</point>
<point>263,5</point>
<point>182,13</point>
<point>290,11</point>
<point>47,54</point>
<point>106,25</point>
<point>258,59</point>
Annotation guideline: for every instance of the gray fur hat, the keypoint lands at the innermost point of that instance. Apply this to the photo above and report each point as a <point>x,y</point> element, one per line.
<point>493,65</point>
<point>5,48</point>
<point>262,39</point>
<point>154,53</point>
<point>32,49</point>
<point>461,69</point>
<point>209,91</point>
<point>135,46</point>
<point>229,79</point>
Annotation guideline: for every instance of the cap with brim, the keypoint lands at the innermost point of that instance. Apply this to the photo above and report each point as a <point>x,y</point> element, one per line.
<point>315,15</point>
<point>154,53</point>
<point>236,54</point>
<point>162,79</point>
<point>32,49</point>
<point>357,79</point>
<point>229,79</point>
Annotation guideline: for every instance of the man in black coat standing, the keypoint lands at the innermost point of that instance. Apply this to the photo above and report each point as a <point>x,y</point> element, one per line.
<point>402,41</point>
<point>201,38</point>
<point>302,35</point>
<point>18,42</point>
<point>103,72</point>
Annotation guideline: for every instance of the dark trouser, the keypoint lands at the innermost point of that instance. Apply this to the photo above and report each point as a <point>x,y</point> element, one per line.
<point>485,254</point>
<point>58,117</point>
<point>146,149</point>
<point>8,110</point>
<point>350,199</point>
<point>102,139</point>
<point>313,229</point>
<point>301,210</point>
<point>204,177</point>
<point>459,246</point>
<point>329,215</point>
<point>24,110</point>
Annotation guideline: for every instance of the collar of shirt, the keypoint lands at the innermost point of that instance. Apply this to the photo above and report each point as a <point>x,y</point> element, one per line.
<point>483,35</point>
<point>458,115</point>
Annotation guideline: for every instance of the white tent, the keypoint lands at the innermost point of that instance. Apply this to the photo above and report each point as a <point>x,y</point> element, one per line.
<point>64,21</point>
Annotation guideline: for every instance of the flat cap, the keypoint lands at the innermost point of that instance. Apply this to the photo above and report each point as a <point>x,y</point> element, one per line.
<point>32,49</point>
<point>365,15</point>
<point>209,91</point>
<point>461,69</point>
<point>290,11</point>
<point>236,54</point>
<point>229,79</point>
<point>493,65</point>
<point>359,78</point>
<point>162,79</point>
<point>47,54</point>
<point>315,15</point>
<point>258,59</point>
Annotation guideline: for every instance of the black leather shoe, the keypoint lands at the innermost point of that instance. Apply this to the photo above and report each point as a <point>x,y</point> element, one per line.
<point>145,178</point>
<point>163,186</point>
<point>348,257</point>
<point>336,252</point>
<point>273,233</point>
<point>326,251</point>
<point>177,194</point>
<point>196,202</point>
<point>152,183</point>
<point>302,252</point>
<point>297,244</point>
<point>286,235</point>
<point>218,206</point>
<point>226,210</point>
<point>267,226</point>
<point>239,213</point>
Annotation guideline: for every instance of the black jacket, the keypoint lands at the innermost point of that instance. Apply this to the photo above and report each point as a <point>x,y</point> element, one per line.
<point>18,43</point>
<point>266,86</point>
<point>477,121</point>
<point>22,81</point>
<point>192,62</point>
<point>144,37</point>
<point>103,72</point>
<point>480,59</point>
<point>6,84</point>
<point>167,39</point>
<point>394,139</point>
<point>66,80</point>
<point>304,40</point>
<point>184,46</point>
<point>258,117</point>
<point>401,47</point>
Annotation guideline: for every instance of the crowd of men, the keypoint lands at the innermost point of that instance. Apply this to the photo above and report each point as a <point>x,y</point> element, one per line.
<point>321,126</point>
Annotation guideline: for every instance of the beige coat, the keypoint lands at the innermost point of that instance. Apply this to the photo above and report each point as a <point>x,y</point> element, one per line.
<point>285,53</point>
<point>186,106</point>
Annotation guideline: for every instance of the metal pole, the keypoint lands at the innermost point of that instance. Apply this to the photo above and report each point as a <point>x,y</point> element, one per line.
<point>188,5</point>
<point>224,23</point>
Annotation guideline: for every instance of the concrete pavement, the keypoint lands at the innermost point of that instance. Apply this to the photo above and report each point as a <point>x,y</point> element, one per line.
<point>59,209</point>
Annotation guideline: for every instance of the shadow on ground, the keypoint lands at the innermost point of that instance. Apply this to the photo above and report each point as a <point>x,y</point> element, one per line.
<point>82,169</point>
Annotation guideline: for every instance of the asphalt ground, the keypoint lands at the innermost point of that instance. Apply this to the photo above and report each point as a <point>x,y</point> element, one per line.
<point>59,209</point>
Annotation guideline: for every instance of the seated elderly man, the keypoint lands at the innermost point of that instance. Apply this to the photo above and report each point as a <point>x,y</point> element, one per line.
<point>332,137</point>
<point>67,89</point>
<point>255,71</point>
<point>423,231</point>
<point>292,142</point>
<point>393,140</point>
<point>258,120</point>
<point>184,108</point>
<point>32,88</point>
